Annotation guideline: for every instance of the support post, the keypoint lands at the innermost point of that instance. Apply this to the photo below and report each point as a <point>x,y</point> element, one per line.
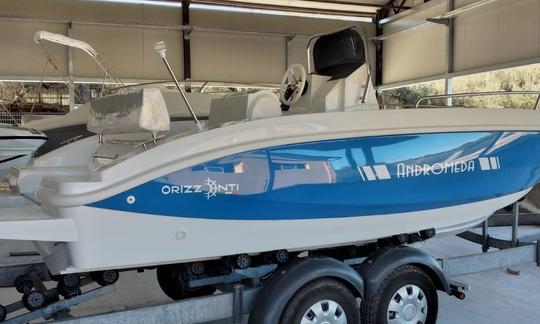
<point>186,35</point>
<point>287,43</point>
<point>485,236</point>
<point>538,253</point>
<point>70,71</point>
<point>449,54</point>
<point>381,14</point>
<point>515,223</point>
<point>238,292</point>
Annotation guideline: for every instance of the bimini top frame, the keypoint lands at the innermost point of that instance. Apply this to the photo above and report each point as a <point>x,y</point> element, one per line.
<point>42,35</point>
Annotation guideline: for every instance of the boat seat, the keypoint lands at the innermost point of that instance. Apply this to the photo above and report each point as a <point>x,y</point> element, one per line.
<point>258,105</point>
<point>140,111</point>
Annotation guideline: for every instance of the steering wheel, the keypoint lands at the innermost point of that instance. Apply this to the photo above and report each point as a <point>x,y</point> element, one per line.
<point>292,84</point>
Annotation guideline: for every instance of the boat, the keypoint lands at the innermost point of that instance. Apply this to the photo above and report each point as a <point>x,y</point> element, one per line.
<point>72,126</point>
<point>322,167</point>
<point>17,145</point>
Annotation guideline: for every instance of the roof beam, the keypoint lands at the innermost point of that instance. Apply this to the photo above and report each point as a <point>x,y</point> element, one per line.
<point>238,4</point>
<point>439,19</point>
<point>390,5</point>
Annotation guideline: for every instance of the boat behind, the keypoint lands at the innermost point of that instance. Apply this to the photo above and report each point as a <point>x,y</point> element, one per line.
<point>17,145</point>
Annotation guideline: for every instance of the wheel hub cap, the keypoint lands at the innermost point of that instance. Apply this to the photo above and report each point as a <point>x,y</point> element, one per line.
<point>408,305</point>
<point>324,312</point>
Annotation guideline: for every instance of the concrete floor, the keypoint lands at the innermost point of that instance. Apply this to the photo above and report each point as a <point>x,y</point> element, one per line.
<point>495,296</point>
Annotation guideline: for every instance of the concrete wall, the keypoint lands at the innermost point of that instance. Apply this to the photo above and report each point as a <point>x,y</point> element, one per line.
<point>500,34</point>
<point>216,56</point>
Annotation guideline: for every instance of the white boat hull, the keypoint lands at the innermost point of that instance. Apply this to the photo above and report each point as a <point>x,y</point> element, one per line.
<point>136,240</point>
<point>292,186</point>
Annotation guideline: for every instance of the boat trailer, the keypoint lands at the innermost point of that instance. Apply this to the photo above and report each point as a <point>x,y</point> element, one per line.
<point>252,291</point>
<point>263,291</point>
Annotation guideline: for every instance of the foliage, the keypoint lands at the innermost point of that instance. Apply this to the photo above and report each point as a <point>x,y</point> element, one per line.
<point>408,96</point>
<point>524,78</point>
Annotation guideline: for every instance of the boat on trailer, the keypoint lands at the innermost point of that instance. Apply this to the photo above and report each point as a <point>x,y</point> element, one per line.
<point>322,167</point>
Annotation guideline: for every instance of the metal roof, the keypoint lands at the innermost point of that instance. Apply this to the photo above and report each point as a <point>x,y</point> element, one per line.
<point>360,8</point>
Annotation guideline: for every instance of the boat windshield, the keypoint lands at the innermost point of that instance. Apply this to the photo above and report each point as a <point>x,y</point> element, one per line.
<point>338,55</point>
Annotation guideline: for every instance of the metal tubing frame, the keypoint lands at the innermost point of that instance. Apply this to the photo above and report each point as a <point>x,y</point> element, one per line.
<point>481,94</point>
<point>192,112</point>
<point>109,73</point>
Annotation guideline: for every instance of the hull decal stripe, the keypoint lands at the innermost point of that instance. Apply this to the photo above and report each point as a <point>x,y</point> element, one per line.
<point>354,177</point>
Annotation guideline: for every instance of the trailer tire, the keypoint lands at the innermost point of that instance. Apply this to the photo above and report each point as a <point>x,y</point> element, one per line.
<point>324,293</point>
<point>173,285</point>
<point>34,300</point>
<point>376,309</point>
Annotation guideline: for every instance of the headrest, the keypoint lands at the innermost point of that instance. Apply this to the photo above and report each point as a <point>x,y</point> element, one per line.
<point>133,112</point>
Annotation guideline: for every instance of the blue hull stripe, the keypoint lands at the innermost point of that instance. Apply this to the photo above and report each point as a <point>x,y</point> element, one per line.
<point>344,178</point>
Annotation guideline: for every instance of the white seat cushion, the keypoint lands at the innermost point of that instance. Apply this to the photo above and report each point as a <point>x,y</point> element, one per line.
<point>261,104</point>
<point>133,112</point>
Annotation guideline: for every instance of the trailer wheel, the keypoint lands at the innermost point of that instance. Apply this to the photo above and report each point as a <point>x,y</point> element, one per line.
<point>33,300</point>
<point>172,283</point>
<point>105,278</point>
<point>406,295</point>
<point>322,301</point>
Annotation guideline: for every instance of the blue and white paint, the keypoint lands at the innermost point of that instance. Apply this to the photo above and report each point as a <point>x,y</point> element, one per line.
<point>344,178</point>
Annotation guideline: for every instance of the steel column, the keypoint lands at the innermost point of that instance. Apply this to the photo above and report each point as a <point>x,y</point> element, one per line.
<point>381,14</point>
<point>186,43</point>
<point>449,54</point>
<point>515,223</point>
<point>70,70</point>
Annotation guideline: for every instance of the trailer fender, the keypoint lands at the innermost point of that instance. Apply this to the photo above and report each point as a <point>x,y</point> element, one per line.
<point>379,265</point>
<point>286,281</point>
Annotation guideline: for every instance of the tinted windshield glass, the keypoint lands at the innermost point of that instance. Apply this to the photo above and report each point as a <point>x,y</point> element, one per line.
<point>339,54</point>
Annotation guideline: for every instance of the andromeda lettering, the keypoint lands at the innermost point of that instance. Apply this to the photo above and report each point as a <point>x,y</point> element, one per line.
<point>415,170</point>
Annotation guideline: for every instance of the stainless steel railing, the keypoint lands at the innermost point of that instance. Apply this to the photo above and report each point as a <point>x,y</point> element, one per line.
<point>482,94</point>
